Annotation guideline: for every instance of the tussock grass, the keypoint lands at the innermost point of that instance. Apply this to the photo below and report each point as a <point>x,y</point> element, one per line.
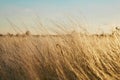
<point>64,57</point>
<point>68,56</point>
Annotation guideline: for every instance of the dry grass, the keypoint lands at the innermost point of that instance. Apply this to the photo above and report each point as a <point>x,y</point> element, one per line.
<point>65,57</point>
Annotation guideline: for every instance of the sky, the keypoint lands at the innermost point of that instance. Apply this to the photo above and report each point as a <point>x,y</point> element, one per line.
<point>95,15</point>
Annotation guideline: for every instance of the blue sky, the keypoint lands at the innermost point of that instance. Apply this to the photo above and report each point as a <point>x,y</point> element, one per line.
<point>97,14</point>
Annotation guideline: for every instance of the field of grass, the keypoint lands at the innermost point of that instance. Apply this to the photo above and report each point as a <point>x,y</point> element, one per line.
<point>61,57</point>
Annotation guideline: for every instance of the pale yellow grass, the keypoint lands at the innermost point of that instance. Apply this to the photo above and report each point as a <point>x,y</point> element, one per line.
<point>64,57</point>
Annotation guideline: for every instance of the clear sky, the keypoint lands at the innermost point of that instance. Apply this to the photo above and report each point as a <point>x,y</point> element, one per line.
<point>95,14</point>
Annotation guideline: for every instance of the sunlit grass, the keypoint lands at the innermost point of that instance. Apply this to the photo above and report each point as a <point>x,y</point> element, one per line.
<point>72,56</point>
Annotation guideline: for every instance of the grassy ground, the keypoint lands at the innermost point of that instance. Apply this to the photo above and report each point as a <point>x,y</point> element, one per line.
<point>65,57</point>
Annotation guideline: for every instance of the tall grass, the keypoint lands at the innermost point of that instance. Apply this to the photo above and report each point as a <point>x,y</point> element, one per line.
<point>60,57</point>
<point>66,57</point>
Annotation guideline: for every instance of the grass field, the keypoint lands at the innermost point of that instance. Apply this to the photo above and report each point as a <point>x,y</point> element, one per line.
<point>61,57</point>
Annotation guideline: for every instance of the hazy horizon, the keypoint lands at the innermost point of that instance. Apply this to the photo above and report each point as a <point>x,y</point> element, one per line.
<point>93,14</point>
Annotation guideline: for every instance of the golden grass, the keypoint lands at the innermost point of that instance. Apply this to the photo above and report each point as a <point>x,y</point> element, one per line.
<point>64,57</point>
